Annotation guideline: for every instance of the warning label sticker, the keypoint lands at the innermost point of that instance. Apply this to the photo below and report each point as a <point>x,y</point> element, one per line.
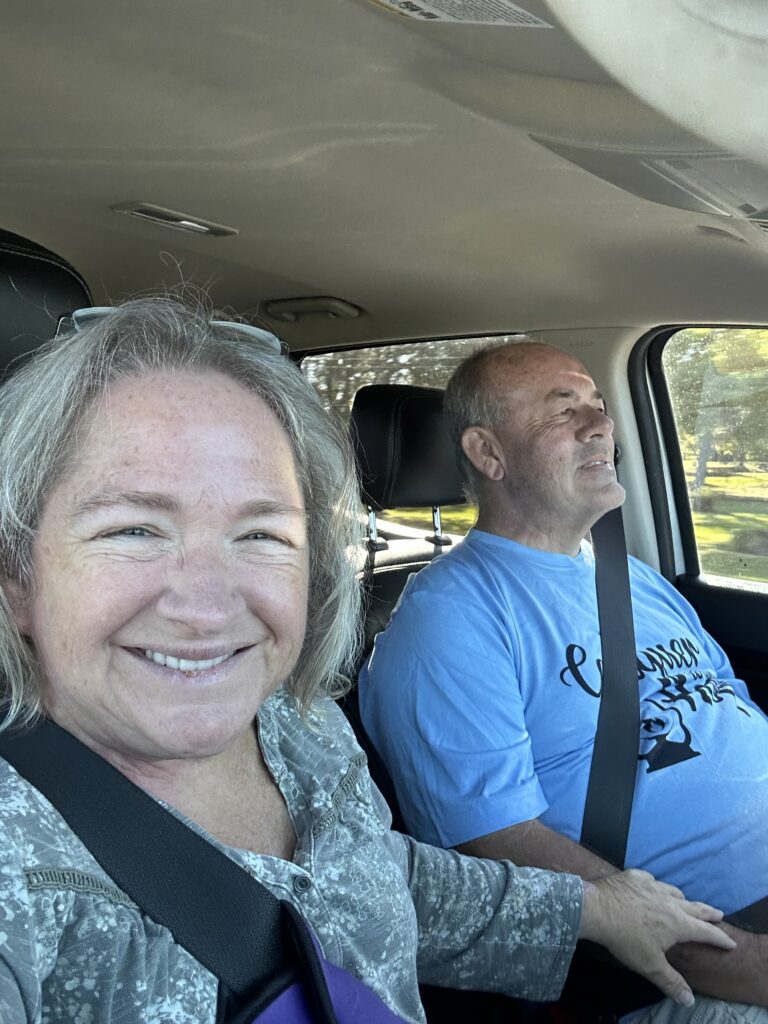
<point>466,12</point>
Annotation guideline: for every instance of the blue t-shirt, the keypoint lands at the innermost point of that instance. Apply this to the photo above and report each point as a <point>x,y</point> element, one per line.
<point>482,697</point>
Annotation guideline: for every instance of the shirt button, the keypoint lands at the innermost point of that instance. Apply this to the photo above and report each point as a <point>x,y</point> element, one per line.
<point>301,884</point>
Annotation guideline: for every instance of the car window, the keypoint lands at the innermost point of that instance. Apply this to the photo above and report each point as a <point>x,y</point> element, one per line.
<point>718,385</point>
<point>339,375</point>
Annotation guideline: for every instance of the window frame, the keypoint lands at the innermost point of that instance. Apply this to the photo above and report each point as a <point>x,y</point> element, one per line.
<point>660,443</point>
<point>299,355</point>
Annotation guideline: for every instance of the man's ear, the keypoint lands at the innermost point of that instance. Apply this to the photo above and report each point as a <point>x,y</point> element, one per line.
<point>482,448</point>
<point>16,596</point>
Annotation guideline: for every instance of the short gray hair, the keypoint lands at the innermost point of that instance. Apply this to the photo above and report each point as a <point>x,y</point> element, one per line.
<point>470,402</point>
<point>44,403</point>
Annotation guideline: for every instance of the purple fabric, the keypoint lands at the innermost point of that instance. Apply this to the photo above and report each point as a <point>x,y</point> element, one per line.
<point>353,1002</point>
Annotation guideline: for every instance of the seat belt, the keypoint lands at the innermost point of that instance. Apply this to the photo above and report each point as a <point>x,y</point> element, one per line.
<point>612,775</point>
<point>599,990</point>
<point>227,920</point>
<point>613,772</point>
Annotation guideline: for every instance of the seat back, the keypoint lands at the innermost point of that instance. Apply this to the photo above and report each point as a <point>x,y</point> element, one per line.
<point>37,288</point>
<point>406,460</point>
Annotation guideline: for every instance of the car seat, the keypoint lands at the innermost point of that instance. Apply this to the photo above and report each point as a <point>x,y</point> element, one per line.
<point>37,288</point>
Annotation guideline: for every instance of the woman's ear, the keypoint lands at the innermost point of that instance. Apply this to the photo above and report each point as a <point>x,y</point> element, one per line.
<point>16,596</point>
<point>482,448</point>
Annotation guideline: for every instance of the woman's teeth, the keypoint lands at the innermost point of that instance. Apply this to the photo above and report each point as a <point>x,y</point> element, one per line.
<point>185,664</point>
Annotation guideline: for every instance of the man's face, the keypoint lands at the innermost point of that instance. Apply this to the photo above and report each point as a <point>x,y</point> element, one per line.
<point>555,446</point>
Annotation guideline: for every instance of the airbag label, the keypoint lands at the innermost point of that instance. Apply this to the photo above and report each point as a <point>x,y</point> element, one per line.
<point>466,12</point>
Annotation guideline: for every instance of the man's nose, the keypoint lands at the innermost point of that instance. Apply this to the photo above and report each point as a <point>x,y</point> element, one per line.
<point>200,592</point>
<point>596,423</point>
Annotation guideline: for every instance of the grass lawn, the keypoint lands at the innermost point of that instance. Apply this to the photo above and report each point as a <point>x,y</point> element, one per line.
<point>731,523</point>
<point>454,518</point>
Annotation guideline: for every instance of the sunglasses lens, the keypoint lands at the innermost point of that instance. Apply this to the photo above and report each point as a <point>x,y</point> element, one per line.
<point>255,333</point>
<point>83,318</point>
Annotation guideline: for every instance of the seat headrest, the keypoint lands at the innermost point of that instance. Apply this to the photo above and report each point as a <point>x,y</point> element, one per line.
<point>36,289</point>
<point>404,450</point>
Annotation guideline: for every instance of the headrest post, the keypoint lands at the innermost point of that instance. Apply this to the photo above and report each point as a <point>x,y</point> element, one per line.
<point>437,537</point>
<point>373,542</point>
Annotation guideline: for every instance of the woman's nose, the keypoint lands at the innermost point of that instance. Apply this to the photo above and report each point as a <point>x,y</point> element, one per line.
<point>200,591</point>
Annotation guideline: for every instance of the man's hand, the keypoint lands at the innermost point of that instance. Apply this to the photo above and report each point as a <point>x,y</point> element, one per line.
<point>639,919</point>
<point>739,976</point>
<point>742,976</point>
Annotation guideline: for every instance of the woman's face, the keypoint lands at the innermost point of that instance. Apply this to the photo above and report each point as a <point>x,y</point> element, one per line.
<point>171,570</point>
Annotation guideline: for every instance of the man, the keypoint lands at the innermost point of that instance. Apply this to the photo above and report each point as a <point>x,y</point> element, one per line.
<point>482,694</point>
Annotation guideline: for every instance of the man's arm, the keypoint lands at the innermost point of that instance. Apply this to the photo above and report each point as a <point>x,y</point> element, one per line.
<point>531,844</point>
<point>740,975</point>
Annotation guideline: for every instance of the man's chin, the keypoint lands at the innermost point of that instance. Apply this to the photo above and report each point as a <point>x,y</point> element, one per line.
<point>615,497</point>
<point>610,497</point>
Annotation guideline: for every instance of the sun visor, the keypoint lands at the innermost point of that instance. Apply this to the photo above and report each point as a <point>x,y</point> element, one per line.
<point>709,182</point>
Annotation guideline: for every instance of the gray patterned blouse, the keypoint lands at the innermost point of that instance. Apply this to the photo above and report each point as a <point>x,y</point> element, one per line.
<point>73,947</point>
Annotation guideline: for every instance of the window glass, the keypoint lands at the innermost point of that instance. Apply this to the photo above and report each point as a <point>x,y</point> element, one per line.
<point>339,375</point>
<point>718,383</point>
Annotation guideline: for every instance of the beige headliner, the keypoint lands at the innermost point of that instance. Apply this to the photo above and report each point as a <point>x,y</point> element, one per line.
<point>361,155</point>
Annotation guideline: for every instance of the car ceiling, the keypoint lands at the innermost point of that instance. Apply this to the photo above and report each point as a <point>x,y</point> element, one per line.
<point>360,154</point>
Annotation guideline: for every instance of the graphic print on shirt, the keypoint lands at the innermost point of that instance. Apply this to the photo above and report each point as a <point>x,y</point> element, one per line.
<point>681,688</point>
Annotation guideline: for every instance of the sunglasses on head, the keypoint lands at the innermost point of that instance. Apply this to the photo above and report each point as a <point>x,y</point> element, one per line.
<point>82,318</point>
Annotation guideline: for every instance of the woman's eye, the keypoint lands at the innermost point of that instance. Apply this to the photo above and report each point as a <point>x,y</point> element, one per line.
<point>129,531</point>
<point>262,536</point>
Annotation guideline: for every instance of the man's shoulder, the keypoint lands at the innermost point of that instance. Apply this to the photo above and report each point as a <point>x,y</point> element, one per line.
<point>474,559</point>
<point>454,583</point>
<point>644,578</point>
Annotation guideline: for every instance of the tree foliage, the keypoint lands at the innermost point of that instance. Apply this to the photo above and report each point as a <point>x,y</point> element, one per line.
<point>718,382</point>
<point>339,375</point>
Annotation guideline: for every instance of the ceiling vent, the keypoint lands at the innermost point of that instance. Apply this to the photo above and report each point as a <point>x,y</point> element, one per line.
<point>174,219</point>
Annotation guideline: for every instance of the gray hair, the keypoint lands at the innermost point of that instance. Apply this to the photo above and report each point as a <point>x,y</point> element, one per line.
<point>43,405</point>
<point>471,400</point>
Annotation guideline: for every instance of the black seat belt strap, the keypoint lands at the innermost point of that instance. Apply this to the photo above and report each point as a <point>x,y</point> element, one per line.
<point>613,772</point>
<point>226,919</point>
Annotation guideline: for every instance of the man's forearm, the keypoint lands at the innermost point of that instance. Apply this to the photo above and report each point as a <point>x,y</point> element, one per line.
<point>531,844</point>
<point>740,975</point>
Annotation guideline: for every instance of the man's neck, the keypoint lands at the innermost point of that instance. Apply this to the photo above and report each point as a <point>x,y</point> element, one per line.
<point>530,533</point>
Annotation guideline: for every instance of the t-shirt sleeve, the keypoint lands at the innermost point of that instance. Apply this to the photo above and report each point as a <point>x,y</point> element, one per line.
<point>441,702</point>
<point>489,925</point>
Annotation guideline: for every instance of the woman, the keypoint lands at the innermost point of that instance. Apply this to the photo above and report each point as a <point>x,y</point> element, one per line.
<point>176,515</point>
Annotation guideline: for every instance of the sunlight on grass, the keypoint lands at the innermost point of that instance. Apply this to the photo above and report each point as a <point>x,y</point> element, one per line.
<point>455,518</point>
<point>731,524</point>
